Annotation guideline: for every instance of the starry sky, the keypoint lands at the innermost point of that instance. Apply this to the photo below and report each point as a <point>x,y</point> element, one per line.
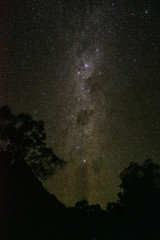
<point>90,70</point>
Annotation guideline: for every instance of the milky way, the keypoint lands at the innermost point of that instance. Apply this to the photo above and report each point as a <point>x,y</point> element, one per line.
<point>91,71</point>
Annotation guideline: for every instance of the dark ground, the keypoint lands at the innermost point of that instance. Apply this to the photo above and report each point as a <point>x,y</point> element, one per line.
<point>29,212</point>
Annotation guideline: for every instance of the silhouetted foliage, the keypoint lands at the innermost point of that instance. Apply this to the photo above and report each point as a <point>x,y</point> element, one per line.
<point>140,184</point>
<point>23,138</point>
<point>82,204</point>
<point>136,214</point>
<point>28,211</point>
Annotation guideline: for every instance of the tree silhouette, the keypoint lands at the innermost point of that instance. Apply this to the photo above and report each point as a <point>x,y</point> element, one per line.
<point>83,204</point>
<point>139,182</point>
<point>22,138</point>
<point>136,214</point>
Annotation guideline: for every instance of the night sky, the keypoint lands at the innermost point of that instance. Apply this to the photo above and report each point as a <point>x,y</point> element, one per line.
<point>91,71</point>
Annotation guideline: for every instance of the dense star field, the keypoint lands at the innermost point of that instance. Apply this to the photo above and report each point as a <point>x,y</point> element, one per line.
<point>90,70</point>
